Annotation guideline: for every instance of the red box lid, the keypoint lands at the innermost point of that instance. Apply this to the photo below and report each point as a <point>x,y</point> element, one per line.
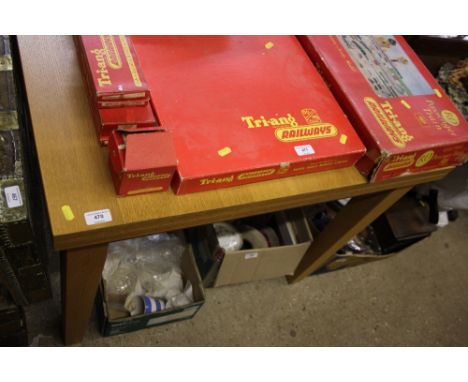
<point>214,90</point>
<point>396,104</point>
<point>114,68</point>
<point>136,115</point>
<point>145,148</point>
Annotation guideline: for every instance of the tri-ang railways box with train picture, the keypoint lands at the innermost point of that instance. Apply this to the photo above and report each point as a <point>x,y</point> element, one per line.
<point>401,113</point>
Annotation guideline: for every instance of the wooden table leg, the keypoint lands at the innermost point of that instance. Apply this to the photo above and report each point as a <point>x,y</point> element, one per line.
<point>355,216</point>
<point>81,274</point>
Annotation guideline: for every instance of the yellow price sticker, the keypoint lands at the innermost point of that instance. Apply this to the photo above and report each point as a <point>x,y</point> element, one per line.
<point>224,151</point>
<point>405,104</point>
<point>68,213</point>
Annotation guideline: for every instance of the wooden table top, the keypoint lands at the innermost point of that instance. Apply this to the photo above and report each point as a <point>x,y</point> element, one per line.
<point>75,171</point>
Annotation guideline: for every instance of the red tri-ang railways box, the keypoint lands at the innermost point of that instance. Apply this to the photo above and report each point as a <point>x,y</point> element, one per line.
<point>244,109</point>
<point>110,119</point>
<point>113,71</point>
<point>403,116</point>
<point>141,160</point>
<point>126,115</point>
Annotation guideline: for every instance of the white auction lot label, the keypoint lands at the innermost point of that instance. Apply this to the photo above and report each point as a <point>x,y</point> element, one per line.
<point>98,217</point>
<point>13,197</point>
<point>304,150</point>
<point>252,255</point>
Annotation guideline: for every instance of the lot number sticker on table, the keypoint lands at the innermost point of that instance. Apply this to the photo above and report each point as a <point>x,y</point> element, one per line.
<point>252,255</point>
<point>98,217</point>
<point>13,197</point>
<point>304,150</point>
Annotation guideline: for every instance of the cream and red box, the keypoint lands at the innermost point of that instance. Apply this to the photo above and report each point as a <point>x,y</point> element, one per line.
<point>141,160</point>
<point>244,109</point>
<point>113,71</point>
<point>402,115</point>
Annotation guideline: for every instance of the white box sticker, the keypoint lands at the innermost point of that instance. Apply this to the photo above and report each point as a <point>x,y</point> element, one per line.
<point>13,197</point>
<point>98,217</point>
<point>252,255</point>
<point>304,150</point>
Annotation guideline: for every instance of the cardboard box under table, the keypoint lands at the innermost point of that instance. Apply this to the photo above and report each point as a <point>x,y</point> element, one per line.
<point>402,225</point>
<point>219,267</point>
<point>115,321</point>
<point>403,116</point>
<point>244,109</point>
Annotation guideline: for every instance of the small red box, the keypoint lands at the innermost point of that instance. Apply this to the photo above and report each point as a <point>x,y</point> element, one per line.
<point>244,109</point>
<point>141,160</point>
<point>403,116</point>
<point>124,117</point>
<point>108,119</point>
<point>113,71</point>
